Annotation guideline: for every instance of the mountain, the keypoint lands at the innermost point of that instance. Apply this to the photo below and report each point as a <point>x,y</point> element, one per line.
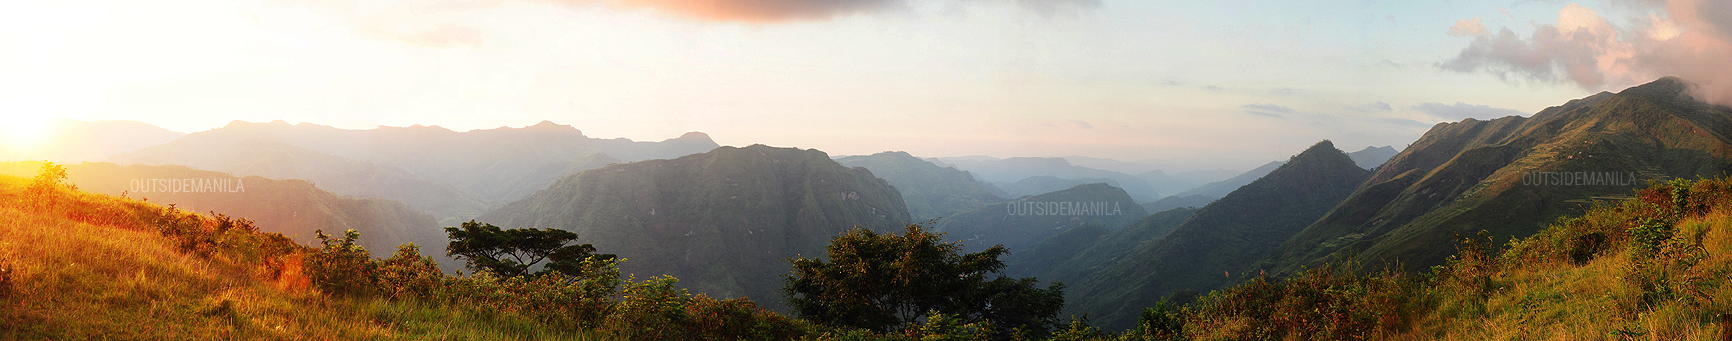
<point>1510,176</point>
<point>71,141</point>
<point>1078,252</point>
<point>452,175</point>
<point>1045,183</point>
<point>724,222</point>
<point>1371,157</point>
<point>1020,223</point>
<point>1196,200</point>
<point>292,207</point>
<point>930,191</point>
<point>273,159</point>
<point>1221,240</point>
<point>1111,164</point>
<point>1000,171</point>
<point>1165,183</point>
<point>1221,188</point>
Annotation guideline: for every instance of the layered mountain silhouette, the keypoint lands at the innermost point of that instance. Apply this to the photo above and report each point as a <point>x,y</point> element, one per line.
<point>73,141</point>
<point>292,207</point>
<point>452,175</point>
<point>1217,242</point>
<point>1020,223</point>
<point>723,222</point>
<point>1510,176</point>
<point>1221,188</point>
<point>1005,173</point>
<point>929,190</point>
<point>1371,157</point>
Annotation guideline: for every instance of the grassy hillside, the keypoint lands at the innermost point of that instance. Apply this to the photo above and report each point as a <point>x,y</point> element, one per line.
<point>929,190</point>
<point>725,221</point>
<point>1654,267</point>
<point>1222,240</point>
<point>1481,175</point>
<point>1019,224</point>
<point>90,266</point>
<point>294,208</point>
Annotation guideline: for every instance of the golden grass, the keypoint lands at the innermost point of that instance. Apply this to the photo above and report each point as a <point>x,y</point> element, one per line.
<point>101,277</point>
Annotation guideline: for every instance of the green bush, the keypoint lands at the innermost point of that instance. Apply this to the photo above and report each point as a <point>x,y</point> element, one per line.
<point>341,266</point>
<point>408,274</point>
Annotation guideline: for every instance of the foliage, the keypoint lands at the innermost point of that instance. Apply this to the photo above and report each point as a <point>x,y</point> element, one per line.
<point>341,266</point>
<point>408,274</point>
<point>511,252</point>
<point>880,282</point>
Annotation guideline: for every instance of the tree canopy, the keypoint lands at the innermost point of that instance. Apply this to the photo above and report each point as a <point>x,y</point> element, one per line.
<point>883,281</point>
<point>512,252</point>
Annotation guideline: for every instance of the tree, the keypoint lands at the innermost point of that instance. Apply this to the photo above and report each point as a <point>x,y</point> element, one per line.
<point>881,281</point>
<point>512,252</point>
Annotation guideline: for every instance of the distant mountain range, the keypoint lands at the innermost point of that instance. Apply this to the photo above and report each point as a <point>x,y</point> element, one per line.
<point>292,207</point>
<point>1371,157</point>
<point>929,190</point>
<point>1020,223</point>
<point>452,175</point>
<point>1005,173</point>
<point>723,222</point>
<point>73,141</point>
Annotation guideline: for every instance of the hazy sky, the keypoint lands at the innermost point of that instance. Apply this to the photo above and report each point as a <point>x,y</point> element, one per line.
<point>1233,83</point>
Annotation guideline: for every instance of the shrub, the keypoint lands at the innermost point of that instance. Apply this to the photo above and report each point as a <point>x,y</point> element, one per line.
<point>408,274</point>
<point>341,266</point>
<point>650,310</point>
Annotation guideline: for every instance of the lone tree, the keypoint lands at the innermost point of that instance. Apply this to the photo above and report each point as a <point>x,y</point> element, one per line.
<point>882,281</point>
<point>512,252</point>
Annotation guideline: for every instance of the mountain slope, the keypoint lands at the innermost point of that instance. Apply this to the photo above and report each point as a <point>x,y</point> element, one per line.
<point>930,191</point>
<point>1222,239</point>
<point>724,222</point>
<point>70,141</point>
<point>461,173</point>
<point>1221,188</point>
<point>1504,175</point>
<point>293,207</point>
<point>1018,224</point>
<point>1371,157</point>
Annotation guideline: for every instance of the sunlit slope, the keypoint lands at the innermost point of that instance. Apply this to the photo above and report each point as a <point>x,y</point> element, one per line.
<point>293,207</point>
<point>1469,176</point>
<point>724,222</point>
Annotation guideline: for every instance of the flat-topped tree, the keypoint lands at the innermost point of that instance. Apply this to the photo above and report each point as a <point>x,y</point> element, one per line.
<point>512,252</point>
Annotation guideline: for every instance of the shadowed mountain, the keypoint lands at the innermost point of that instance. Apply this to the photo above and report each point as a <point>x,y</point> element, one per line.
<point>1197,200</point>
<point>292,207</point>
<point>724,222</point>
<point>1020,223</point>
<point>1221,188</point>
<point>1046,184</point>
<point>72,141</point>
<point>1371,157</point>
<point>930,191</point>
<point>1512,175</point>
<point>1221,239</point>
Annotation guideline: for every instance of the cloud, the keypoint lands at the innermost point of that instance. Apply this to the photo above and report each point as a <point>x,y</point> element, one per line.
<point>1459,111</point>
<point>1373,107</point>
<point>793,10</point>
<point>1083,124</point>
<point>1269,110</point>
<point>1690,39</point>
<point>1467,28</point>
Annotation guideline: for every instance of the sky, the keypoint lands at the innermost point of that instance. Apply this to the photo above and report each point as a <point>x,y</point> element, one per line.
<point>1186,83</point>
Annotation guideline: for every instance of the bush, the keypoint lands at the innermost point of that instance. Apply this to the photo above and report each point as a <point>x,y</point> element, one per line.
<point>341,267</point>
<point>408,274</point>
<point>650,310</point>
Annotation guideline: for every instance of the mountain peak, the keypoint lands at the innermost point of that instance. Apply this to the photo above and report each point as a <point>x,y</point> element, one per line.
<point>697,136</point>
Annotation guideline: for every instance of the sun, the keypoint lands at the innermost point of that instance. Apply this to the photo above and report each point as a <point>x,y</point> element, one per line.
<point>25,133</point>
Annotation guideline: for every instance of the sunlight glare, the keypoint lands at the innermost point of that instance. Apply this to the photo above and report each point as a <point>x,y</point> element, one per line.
<point>25,133</point>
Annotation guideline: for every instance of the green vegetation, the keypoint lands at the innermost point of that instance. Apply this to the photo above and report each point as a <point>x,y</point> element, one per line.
<point>880,282</point>
<point>724,222</point>
<point>1469,176</point>
<point>1214,247</point>
<point>510,253</point>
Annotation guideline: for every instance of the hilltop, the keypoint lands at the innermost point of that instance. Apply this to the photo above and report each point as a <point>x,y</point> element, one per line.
<point>929,190</point>
<point>725,222</point>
